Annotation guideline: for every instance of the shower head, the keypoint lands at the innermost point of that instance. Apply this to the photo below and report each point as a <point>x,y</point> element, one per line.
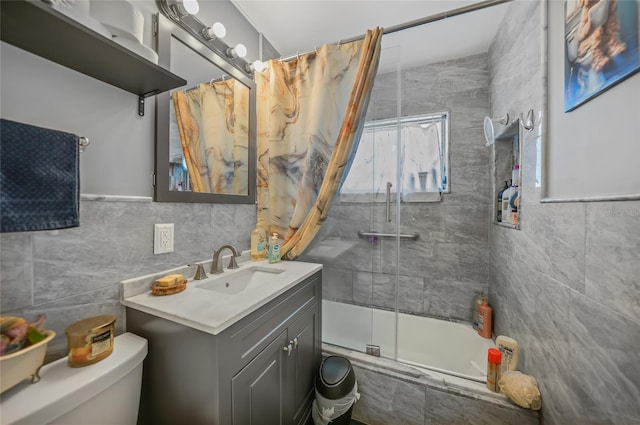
<point>489,133</point>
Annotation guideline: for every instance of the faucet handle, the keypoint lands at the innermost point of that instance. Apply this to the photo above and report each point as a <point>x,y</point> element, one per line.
<point>200,273</point>
<point>233,264</point>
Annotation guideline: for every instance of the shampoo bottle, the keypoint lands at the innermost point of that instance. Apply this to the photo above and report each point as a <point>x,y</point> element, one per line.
<point>515,175</point>
<point>514,203</point>
<point>476,304</point>
<point>510,352</point>
<point>506,212</point>
<point>499,208</point>
<point>484,319</point>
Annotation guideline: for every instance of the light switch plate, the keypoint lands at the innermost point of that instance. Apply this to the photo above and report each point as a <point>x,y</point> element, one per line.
<point>163,238</point>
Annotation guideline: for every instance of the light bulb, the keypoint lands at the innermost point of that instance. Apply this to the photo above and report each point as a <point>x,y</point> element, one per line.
<point>185,7</point>
<point>217,30</point>
<point>241,50</point>
<point>237,52</point>
<point>258,65</point>
<point>191,6</point>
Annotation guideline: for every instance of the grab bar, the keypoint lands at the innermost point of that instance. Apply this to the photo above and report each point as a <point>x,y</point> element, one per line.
<point>412,236</point>
<point>389,202</point>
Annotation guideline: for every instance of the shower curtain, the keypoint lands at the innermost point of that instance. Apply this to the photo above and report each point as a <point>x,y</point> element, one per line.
<point>310,117</point>
<point>214,131</point>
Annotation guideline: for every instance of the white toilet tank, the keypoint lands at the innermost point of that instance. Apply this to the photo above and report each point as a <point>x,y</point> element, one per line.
<point>107,392</point>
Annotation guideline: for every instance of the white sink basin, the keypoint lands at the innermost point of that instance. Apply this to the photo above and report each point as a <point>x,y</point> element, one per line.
<point>239,281</point>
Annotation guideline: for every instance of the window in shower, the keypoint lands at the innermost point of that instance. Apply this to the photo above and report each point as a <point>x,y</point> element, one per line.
<point>424,159</point>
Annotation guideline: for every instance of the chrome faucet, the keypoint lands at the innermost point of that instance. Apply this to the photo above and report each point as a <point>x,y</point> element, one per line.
<point>200,273</point>
<point>216,266</point>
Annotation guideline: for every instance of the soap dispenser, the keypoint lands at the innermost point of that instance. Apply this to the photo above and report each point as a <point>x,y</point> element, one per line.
<point>259,242</point>
<point>274,249</point>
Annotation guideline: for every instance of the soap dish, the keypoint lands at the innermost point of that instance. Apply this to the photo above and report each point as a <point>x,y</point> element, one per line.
<point>168,290</point>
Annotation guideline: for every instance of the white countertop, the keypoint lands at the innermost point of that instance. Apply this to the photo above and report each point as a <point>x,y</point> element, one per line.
<point>209,311</point>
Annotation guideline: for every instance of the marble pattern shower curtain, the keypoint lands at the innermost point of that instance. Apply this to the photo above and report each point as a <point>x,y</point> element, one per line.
<point>310,117</point>
<point>214,131</point>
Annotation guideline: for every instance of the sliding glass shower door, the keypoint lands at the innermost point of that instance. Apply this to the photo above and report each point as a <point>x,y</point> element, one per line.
<point>358,242</point>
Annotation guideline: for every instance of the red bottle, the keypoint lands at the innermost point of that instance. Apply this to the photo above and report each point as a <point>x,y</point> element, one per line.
<point>494,361</point>
<point>484,319</point>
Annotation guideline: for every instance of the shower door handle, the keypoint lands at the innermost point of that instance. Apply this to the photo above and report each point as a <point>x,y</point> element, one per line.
<point>389,202</point>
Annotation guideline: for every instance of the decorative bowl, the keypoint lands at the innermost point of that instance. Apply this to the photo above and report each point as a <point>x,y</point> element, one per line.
<point>18,366</point>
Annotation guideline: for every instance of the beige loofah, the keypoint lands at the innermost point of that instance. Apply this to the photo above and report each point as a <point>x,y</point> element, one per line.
<point>521,389</point>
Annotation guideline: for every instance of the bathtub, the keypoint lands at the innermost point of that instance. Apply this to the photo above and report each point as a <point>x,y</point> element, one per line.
<point>440,377</point>
<point>437,345</point>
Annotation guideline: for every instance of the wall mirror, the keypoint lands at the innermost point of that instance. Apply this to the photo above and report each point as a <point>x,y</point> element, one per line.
<point>205,131</point>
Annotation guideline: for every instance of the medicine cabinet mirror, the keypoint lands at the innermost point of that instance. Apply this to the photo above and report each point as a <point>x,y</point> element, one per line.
<point>507,173</point>
<point>205,147</point>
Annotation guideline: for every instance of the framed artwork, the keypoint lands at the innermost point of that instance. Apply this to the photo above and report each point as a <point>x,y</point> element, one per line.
<point>601,47</point>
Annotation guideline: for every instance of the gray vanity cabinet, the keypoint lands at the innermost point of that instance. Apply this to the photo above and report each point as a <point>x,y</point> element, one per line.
<point>260,370</point>
<point>302,365</point>
<point>258,390</point>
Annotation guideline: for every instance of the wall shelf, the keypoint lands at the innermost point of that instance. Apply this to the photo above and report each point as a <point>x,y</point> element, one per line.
<point>37,28</point>
<point>507,153</point>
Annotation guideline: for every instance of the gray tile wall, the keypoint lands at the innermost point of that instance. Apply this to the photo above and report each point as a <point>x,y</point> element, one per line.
<point>74,273</point>
<point>442,272</point>
<point>567,285</point>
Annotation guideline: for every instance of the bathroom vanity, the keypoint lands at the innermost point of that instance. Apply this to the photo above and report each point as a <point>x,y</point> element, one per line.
<point>241,347</point>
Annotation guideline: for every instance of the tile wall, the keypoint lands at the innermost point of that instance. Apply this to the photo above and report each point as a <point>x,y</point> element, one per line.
<point>567,285</point>
<point>75,273</point>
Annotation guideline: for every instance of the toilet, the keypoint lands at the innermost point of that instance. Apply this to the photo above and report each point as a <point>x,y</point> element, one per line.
<point>107,392</point>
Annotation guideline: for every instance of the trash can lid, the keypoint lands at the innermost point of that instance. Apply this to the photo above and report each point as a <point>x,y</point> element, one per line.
<point>336,377</point>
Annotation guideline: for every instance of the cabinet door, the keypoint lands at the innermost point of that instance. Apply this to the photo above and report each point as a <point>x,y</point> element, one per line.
<point>302,364</point>
<point>257,391</point>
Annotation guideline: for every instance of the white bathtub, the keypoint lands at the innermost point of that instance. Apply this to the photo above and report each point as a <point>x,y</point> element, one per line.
<point>447,347</point>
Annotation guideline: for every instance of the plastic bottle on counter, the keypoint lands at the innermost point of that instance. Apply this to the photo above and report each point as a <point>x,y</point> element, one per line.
<point>484,319</point>
<point>494,362</point>
<point>274,249</point>
<point>259,243</point>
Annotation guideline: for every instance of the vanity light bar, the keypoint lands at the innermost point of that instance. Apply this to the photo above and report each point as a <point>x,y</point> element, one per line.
<point>183,13</point>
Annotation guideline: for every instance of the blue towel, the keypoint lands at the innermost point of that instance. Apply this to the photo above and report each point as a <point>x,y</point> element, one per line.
<point>40,178</point>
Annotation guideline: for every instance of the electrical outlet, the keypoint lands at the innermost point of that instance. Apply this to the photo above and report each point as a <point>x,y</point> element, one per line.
<point>163,238</point>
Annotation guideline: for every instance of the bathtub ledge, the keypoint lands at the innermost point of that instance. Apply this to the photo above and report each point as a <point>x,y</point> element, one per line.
<point>423,377</point>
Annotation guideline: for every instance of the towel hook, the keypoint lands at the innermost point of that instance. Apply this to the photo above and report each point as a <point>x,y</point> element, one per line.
<point>528,124</point>
<point>83,142</point>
